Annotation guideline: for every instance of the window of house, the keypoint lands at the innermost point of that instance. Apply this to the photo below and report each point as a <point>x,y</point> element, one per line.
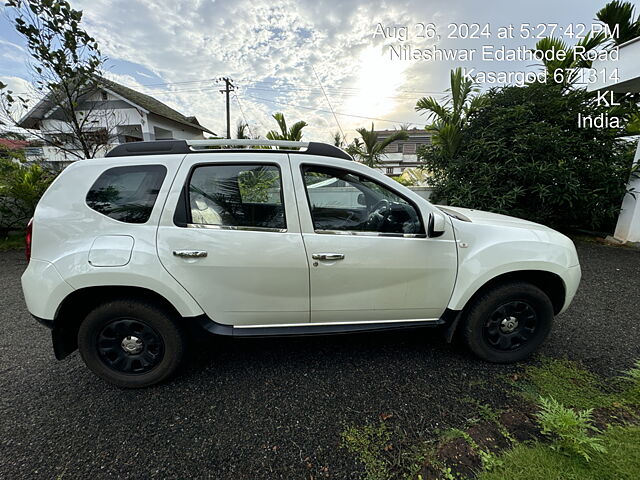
<point>104,96</point>
<point>409,148</point>
<point>248,196</point>
<point>391,148</point>
<point>341,200</point>
<point>127,194</point>
<point>389,170</point>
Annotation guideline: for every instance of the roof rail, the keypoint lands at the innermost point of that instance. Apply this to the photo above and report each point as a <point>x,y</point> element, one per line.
<point>164,147</point>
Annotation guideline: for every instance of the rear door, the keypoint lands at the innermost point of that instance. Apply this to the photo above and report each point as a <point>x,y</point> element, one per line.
<point>234,241</point>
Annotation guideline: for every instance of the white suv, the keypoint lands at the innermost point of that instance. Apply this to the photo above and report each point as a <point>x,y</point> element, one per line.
<point>260,238</point>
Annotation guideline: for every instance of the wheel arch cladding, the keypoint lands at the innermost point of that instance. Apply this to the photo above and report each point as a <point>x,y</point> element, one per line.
<point>550,283</point>
<point>77,305</point>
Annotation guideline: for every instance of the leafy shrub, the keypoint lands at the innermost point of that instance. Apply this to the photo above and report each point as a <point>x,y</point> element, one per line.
<point>569,428</point>
<point>21,187</point>
<point>523,154</point>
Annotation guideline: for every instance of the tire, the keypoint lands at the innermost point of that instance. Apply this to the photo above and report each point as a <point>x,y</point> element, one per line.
<point>131,343</point>
<point>508,323</point>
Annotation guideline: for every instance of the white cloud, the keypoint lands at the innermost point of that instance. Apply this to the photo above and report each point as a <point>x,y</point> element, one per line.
<point>269,46</point>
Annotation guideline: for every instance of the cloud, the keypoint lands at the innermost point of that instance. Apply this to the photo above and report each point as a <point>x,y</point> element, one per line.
<point>268,48</point>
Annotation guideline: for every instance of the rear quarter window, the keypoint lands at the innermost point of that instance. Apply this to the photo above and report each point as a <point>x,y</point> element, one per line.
<point>127,194</point>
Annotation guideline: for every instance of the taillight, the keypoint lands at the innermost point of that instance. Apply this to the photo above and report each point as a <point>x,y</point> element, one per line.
<point>28,239</point>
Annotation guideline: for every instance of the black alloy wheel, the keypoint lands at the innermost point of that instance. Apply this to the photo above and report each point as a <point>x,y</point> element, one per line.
<point>130,346</point>
<point>511,326</point>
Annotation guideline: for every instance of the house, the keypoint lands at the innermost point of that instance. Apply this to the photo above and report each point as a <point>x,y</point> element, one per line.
<point>31,150</point>
<point>627,79</point>
<point>118,114</point>
<point>402,154</point>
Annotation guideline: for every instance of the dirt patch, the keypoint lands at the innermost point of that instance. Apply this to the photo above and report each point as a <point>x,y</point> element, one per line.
<point>521,426</point>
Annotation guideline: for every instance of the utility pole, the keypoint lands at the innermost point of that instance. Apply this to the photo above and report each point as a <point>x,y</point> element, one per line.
<point>229,87</point>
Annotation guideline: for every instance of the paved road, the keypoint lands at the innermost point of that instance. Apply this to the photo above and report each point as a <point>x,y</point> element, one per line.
<point>272,408</point>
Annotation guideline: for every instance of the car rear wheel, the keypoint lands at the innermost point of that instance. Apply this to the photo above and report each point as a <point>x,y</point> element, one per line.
<point>508,323</point>
<point>131,343</point>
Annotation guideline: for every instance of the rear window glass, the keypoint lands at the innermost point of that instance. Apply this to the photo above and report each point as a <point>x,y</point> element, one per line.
<point>127,194</point>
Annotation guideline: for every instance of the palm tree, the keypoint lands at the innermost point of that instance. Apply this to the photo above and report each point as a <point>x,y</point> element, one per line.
<point>293,134</point>
<point>564,71</point>
<point>620,14</point>
<point>370,150</point>
<point>448,118</point>
<point>241,130</point>
<point>338,140</point>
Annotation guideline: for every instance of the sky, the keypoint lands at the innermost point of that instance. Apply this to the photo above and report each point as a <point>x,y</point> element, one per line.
<point>304,58</point>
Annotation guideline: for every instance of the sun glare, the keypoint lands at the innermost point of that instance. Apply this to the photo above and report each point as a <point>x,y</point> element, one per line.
<point>378,80</point>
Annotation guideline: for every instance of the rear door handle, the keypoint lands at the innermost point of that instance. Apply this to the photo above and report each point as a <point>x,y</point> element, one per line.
<point>190,253</point>
<point>327,256</point>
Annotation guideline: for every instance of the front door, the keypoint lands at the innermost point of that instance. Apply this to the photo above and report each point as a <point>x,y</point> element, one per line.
<point>370,258</point>
<point>236,245</point>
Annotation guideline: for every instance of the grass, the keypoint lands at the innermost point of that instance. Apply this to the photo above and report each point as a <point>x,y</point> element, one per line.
<point>368,444</point>
<point>13,241</point>
<point>540,462</point>
<point>563,394</point>
<point>575,387</point>
<point>565,381</point>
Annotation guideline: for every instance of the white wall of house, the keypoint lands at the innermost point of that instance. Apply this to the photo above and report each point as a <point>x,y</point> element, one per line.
<point>123,121</point>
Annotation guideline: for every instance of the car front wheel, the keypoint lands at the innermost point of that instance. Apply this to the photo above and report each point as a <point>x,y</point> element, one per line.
<point>508,323</point>
<point>131,343</point>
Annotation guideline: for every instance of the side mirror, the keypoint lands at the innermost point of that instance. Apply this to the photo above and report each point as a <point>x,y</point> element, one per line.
<point>361,200</point>
<point>437,222</point>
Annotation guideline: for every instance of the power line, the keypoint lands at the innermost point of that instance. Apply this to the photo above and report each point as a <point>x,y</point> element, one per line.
<point>286,85</point>
<point>326,111</point>
<point>235,95</point>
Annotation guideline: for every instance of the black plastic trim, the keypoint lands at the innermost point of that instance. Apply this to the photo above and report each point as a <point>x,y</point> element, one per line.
<point>168,147</point>
<point>305,329</point>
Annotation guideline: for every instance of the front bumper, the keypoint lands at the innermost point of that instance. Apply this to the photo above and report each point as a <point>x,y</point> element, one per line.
<point>571,278</point>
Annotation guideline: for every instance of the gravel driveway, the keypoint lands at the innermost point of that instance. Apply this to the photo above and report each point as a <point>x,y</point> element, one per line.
<point>273,408</point>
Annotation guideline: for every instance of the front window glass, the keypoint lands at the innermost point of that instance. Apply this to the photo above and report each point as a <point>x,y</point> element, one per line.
<point>345,201</point>
<point>237,196</point>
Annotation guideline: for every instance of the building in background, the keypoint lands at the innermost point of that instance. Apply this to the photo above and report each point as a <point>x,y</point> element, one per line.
<point>118,115</point>
<point>402,154</point>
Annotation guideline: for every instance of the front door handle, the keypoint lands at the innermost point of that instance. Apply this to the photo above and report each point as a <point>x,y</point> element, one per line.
<point>327,256</point>
<point>190,253</point>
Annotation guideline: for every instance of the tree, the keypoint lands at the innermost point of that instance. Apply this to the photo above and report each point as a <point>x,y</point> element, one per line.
<point>448,118</point>
<point>620,15</point>
<point>370,150</point>
<point>294,133</point>
<point>523,154</point>
<point>338,140</point>
<point>65,69</point>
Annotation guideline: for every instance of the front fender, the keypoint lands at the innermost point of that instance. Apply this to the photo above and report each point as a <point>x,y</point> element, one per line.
<point>481,258</point>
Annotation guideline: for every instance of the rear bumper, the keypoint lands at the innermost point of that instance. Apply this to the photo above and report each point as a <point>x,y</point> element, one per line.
<point>44,289</point>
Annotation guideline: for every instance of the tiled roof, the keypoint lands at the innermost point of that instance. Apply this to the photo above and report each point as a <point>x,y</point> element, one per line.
<point>151,104</point>
<point>13,144</point>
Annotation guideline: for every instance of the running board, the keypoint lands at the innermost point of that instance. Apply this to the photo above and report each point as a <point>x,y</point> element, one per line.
<point>311,328</point>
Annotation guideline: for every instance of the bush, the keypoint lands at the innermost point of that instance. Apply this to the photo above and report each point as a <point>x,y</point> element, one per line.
<point>570,429</point>
<point>523,154</point>
<point>21,187</point>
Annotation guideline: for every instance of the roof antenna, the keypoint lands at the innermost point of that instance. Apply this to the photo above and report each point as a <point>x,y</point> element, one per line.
<point>328,102</point>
